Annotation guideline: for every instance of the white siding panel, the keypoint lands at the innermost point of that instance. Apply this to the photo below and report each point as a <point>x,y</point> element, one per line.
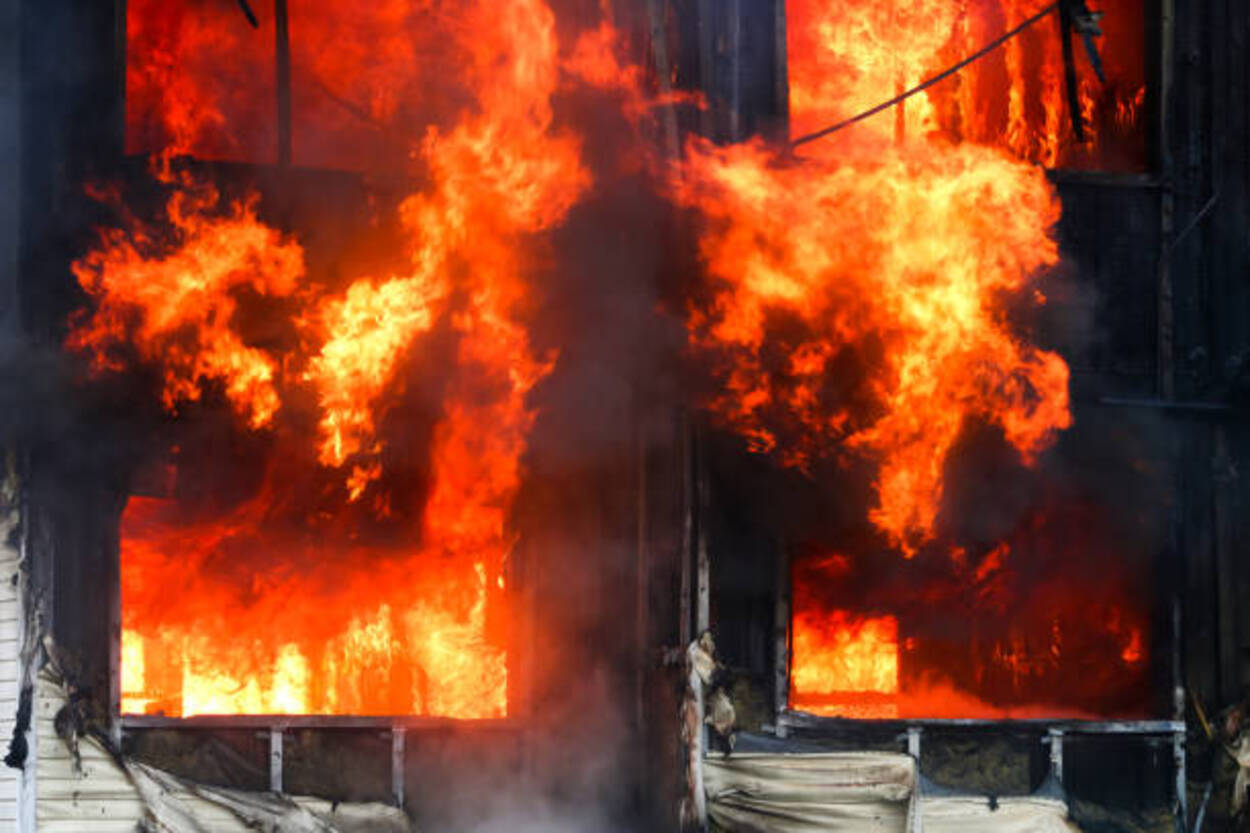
<point>98,798</point>
<point>9,653</point>
<point>97,826</point>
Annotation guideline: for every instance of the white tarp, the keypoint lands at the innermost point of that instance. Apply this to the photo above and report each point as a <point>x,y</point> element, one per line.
<point>835,791</point>
<point>179,806</point>
<point>857,792</point>
<point>1241,754</point>
<point>1014,814</point>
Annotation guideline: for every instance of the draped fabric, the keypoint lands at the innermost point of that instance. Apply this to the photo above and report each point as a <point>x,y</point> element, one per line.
<point>857,792</point>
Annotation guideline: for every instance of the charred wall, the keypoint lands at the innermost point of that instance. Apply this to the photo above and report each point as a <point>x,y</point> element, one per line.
<point>70,111</point>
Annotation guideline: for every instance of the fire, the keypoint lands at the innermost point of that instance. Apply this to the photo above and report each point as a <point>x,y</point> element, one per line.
<point>846,57</point>
<point>887,259</point>
<point>882,256</point>
<point>859,314</point>
<point>170,108</point>
<point>1018,647</point>
<point>844,654</point>
<point>153,287</point>
<point>201,81</point>
<point>860,304</point>
<point>352,562</point>
<point>335,538</point>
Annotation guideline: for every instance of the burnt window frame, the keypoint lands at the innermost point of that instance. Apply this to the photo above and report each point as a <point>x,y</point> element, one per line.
<point>280,175</point>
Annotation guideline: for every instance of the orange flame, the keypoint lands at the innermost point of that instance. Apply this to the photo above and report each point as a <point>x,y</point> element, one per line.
<point>279,603</point>
<point>860,295</point>
<point>842,654</point>
<point>902,252</point>
<point>846,57</point>
<point>171,297</point>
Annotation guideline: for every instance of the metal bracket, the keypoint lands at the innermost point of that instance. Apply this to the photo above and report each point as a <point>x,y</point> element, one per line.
<point>1055,738</point>
<point>913,742</point>
<point>275,760</point>
<point>397,766</point>
<point>914,733</point>
<point>1182,800</point>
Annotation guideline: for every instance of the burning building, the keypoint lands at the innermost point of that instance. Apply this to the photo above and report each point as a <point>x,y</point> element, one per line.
<point>784,416</point>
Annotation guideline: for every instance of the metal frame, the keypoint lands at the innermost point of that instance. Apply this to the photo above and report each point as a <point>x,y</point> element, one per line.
<point>313,721</point>
<point>1053,730</point>
<point>794,719</point>
<point>1053,734</point>
<point>275,726</point>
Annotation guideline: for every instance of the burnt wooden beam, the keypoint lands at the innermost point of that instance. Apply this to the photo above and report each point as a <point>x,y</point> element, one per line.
<point>1165,312</point>
<point>815,723</point>
<point>685,619</point>
<point>703,575</point>
<point>657,23</point>
<point>706,29</point>
<point>642,583</point>
<point>10,171</point>
<point>1223,521</point>
<point>1066,23</point>
<point>781,68</point>
<point>734,38</point>
<point>119,71</point>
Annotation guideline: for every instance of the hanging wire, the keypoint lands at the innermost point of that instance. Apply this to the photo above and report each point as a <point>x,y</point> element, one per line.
<point>924,85</point>
<point>249,14</point>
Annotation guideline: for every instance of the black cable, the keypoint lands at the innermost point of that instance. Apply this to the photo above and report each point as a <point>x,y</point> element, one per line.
<point>898,99</point>
<point>249,14</point>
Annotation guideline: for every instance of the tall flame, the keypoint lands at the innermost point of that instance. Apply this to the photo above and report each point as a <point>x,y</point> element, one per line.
<point>860,295</point>
<point>859,312</point>
<point>281,599</point>
<point>891,257</point>
<point>846,57</point>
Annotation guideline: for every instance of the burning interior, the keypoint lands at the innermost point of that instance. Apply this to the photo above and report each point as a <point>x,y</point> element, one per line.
<point>461,370</point>
<point>378,584</point>
<point>390,383</point>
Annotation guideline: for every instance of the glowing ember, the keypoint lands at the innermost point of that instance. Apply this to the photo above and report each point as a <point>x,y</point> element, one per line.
<point>331,562</point>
